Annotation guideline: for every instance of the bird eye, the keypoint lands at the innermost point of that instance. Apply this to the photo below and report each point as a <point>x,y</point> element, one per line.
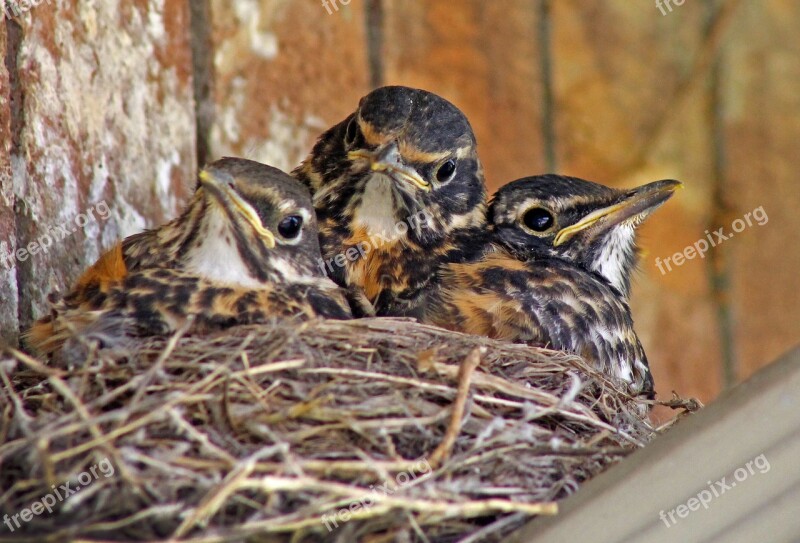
<point>538,219</point>
<point>446,171</point>
<point>290,226</point>
<point>352,134</point>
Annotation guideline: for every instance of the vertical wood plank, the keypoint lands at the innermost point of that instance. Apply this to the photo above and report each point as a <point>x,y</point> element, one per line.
<point>546,74</point>
<point>625,74</point>
<point>762,131</point>
<point>483,57</point>
<point>8,228</point>
<point>108,131</point>
<point>718,264</point>
<point>284,72</point>
<point>374,44</point>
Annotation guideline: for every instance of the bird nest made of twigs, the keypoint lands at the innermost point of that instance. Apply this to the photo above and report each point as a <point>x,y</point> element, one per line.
<point>366,430</point>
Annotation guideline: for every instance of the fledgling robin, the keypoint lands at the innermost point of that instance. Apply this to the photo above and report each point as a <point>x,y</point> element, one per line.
<point>591,225</point>
<point>399,192</point>
<point>245,250</point>
<point>557,272</point>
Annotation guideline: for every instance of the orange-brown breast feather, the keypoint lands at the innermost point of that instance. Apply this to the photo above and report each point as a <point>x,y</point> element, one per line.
<point>476,307</point>
<point>109,268</point>
<point>367,271</point>
<point>46,336</point>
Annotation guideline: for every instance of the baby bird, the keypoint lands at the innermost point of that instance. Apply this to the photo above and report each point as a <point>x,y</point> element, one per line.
<point>399,192</point>
<point>244,250</point>
<point>588,224</point>
<point>557,273</point>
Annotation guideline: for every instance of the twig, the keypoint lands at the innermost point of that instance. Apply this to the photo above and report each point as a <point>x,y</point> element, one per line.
<point>465,372</point>
<point>159,364</point>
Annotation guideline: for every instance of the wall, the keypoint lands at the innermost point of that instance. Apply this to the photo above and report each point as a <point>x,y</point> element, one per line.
<point>118,102</point>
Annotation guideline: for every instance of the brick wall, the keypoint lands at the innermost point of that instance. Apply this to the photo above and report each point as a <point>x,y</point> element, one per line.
<point>117,102</point>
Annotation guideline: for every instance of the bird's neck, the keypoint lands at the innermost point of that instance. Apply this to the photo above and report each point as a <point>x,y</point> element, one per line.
<point>614,257</point>
<point>212,244</point>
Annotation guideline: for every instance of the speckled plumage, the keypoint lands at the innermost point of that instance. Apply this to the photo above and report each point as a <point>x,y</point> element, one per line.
<point>565,287</point>
<point>378,185</point>
<point>244,250</point>
<point>594,224</point>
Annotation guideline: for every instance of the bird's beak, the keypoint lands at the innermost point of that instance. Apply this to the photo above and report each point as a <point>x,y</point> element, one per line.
<point>223,190</point>
<point>386,159</point>
<point>635,204</point>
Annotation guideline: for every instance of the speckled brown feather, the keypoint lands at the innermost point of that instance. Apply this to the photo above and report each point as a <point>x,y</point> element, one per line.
<point>159,301</point>
<point>153,282</point>
<point>356,206</point>
<point>545,302</point>
<point>570,296</point>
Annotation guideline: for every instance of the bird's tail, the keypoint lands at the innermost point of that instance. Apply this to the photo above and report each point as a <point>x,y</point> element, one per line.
<point>70,335</point>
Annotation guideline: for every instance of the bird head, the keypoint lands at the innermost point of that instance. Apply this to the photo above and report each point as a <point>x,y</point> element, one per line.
<point>403,153</point>
<point>589,224</point>
<point>252,224</point>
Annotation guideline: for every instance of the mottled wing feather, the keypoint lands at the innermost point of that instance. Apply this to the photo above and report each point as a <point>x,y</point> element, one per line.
<point>545,302</point>
<point>159,301</point>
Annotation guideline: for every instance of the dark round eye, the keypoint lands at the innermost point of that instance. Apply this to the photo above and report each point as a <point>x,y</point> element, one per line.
<point>538,219</point>
<point>290,226</point>
<point>352,135</point>
<point>446,171</point>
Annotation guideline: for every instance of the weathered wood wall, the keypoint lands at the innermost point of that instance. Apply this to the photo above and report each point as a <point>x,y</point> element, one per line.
<point>97,110</point>
<point>117,102</point>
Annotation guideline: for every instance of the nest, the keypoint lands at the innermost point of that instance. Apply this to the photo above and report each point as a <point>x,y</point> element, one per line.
<point>368,430</point>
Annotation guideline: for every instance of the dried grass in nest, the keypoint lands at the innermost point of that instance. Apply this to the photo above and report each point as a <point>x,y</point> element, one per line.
<point>255,434</point>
